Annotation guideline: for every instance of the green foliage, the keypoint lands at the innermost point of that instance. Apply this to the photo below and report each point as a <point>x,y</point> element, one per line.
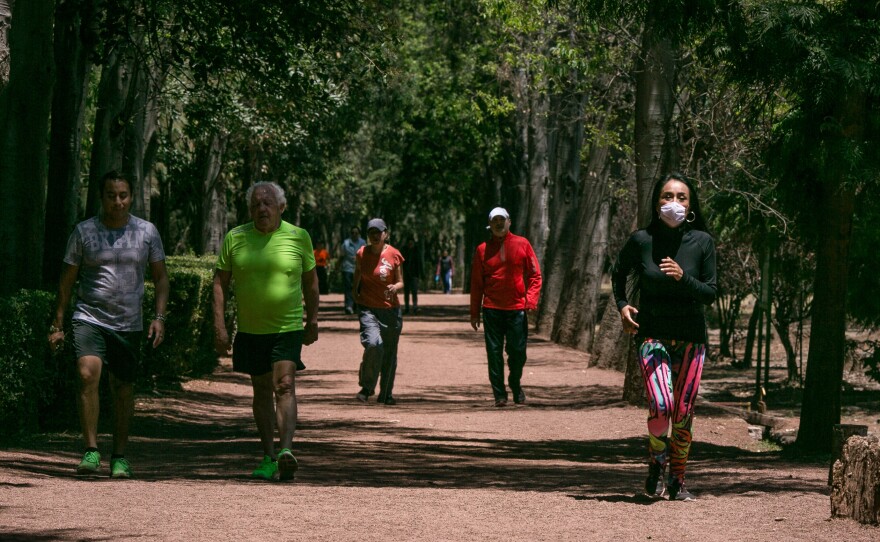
<point>38,389</point>
<point>188,349</point>
<point>29,374</point>
<point>281,81</point>
<point>429,131</point>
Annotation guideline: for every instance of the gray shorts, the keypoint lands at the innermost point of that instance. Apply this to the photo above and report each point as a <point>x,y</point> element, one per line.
<point>120,351</point>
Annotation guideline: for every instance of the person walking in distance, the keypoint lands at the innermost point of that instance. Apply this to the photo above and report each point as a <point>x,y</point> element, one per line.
<point>505,284</point>
<point>412,269</point>
<point>347,254</point>
<point>672,261</point>
<point>377,279</point>
<point>322,259</point>
<point>273,264</point>
<point>109,255</point>
<point>445,270</point>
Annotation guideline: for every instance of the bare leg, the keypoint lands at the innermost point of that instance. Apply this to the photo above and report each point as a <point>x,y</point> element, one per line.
<point>284,374</point>
<point>264,411</point>
<point>123,409</point>
<point>88,401</point>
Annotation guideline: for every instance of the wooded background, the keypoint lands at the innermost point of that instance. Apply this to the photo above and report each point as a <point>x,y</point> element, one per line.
<point>429,113</point>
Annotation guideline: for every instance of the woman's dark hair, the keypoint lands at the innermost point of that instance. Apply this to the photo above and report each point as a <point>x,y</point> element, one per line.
<point>698,222</point>
<point>114,175</point>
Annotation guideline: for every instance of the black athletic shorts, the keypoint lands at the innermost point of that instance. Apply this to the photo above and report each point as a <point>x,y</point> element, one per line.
<point>255,354</point>
<point>120,351</point>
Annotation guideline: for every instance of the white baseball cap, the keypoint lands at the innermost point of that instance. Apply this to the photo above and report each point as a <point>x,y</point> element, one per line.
<point>498,211</point>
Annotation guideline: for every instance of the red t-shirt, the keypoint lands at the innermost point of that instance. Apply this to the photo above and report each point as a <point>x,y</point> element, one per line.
<point>377,271</point>
<point>321,257</point>
<point>505,275</point>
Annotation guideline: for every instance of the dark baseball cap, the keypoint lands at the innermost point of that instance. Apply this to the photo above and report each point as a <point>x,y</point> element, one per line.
<point>377,223</point>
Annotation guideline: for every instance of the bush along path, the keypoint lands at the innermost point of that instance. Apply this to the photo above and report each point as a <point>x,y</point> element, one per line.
<point>442,464</point>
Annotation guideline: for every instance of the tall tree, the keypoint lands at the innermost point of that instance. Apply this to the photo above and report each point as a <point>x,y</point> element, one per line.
<point>213,206</point>
<point>121,71</point>
<point>25,104</point>
<point>823,57</point>
<point>664,25</point>
<point>76,37</point>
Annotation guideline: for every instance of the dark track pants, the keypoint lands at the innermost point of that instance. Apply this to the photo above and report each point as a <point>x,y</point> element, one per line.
<point>512,327</point>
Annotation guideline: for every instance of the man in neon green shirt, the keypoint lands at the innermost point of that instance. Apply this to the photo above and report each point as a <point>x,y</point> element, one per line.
<point>273,265</point>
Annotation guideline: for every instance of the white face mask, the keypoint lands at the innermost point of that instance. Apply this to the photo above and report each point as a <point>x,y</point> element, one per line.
<point>673,214</point>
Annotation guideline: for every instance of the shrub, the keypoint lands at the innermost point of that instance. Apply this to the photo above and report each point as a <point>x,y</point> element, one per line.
<point>188,349</point>
<point>38,389</point>
<point>29,375</point>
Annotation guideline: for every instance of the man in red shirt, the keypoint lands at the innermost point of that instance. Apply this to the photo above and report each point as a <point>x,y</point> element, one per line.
<point>505,283</point>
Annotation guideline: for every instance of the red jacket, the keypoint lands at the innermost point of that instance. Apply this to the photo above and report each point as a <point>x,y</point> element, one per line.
<point>505,275</point>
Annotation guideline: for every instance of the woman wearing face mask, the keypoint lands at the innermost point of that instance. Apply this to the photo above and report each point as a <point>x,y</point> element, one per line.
<point>673,262</point>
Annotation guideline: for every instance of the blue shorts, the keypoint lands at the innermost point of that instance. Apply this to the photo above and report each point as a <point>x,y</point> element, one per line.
<point>255,354</point>
<point>120,351</point>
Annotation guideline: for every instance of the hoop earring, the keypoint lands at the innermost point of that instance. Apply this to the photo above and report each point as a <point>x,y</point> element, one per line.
<point>691,219</point>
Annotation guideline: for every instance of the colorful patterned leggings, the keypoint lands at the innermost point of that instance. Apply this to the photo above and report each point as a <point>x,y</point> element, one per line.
<point>672,372</point>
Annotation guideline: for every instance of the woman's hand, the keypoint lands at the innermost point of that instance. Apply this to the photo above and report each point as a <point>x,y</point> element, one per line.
<point>628,319</point>
<point>391,290</point>
<point>672,269</point>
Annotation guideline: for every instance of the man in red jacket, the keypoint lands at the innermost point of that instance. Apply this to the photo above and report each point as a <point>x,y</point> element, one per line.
<point>505,283</point>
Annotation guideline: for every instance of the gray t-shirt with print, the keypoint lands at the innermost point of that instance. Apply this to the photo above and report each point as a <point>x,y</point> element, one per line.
<point>112,264</point>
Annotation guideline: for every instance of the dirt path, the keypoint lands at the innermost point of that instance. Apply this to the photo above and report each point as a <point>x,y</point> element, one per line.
<point>441,465</point>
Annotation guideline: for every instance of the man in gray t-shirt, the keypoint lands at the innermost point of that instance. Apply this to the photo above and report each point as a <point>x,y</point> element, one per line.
<point>109,255</point>
<point>111,265</point>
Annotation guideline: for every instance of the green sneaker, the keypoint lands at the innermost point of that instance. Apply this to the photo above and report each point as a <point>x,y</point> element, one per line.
<point>266,470</point>
<point>119,468</point>
<point>90,463</point>
<point>287,464</point>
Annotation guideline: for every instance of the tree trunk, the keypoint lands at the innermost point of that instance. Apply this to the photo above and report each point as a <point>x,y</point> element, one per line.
<point>578,304</point>
<point>565,175</point>
<point>782,329</point>
<point>25,105</point>
<point>142,113</point>
<point>5,21</point>
<point>751,334</point>
<point>74,43</point>
<point>766,318</point>
<point>212,223</point>
<point>536,226</point>
<point>855,487</point>
<point>108,139</point>
<point>729,308</point>
<point>821,402</point>
<point>125,122</point>
<point>611,345</point>
<point>655,100</point>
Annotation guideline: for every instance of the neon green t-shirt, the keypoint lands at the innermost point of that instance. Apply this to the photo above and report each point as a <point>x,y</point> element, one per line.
<point>267,270</point>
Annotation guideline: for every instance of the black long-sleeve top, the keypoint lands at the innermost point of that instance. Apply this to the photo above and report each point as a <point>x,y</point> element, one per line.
<point>668,309</point>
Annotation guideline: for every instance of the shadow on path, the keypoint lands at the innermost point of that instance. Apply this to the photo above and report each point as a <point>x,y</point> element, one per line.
<point>201,436</point>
